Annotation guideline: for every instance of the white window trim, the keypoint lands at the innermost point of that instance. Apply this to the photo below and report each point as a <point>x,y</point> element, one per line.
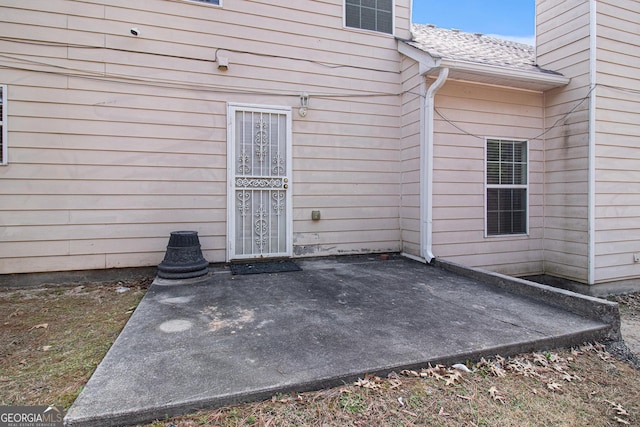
<point>488,186</point>
<point>393,21</point>
<point>3,125</point>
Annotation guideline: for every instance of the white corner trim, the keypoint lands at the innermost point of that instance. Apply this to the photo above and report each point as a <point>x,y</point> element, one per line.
<point>591,197</point>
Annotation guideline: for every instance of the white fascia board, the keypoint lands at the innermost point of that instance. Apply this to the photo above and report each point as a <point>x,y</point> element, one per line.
<point>431,64</point>
<point>425,61</point>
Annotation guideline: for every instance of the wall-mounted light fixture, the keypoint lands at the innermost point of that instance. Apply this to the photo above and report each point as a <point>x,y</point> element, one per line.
<point>304,104</point>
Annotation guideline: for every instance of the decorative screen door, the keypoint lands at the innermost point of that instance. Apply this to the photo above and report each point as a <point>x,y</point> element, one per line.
<point>259,171</point>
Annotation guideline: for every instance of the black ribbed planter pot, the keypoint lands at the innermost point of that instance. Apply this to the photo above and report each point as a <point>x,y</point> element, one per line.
<point>183,259</point>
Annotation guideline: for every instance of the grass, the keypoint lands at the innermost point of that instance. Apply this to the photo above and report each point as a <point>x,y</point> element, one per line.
<point>576,387</point>
<point>52,338</point>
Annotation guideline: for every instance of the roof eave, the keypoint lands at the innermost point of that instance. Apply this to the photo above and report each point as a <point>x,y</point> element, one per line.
<point>483,73</point>
<point>503,76</point>
<point>424,59</point>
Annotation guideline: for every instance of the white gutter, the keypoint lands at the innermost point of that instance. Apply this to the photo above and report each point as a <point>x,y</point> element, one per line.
<point>553,80</point>
<point>477,72</point>
<point>591,197</point>
<point>426,175</point>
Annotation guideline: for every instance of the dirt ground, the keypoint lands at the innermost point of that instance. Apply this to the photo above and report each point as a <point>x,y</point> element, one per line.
<point>53,337</point>
<point>630,318</point>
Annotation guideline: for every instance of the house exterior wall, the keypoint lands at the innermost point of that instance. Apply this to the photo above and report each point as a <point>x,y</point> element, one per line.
<point>617,133</point>
<point>458,183</point>
<point>562,32</point>
<point>413,88</point>
<point>116,140</point>
<point>595,44</point>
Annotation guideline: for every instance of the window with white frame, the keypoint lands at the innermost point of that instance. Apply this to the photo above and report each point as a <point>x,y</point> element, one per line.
<point>375,15</point>
<point>3,124</point>
<point>507,189</point>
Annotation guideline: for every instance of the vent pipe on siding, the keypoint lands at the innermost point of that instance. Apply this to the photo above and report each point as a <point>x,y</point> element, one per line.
<point>427,167</point>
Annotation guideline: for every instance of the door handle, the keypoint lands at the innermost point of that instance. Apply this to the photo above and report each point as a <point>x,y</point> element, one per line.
<point>285,186</point>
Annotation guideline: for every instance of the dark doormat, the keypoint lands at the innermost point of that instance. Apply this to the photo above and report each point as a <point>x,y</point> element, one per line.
<point>259,267</point>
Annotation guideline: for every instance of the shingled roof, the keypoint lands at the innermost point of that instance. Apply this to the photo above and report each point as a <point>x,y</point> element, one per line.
<point>458,45</point>
<point>477,56</point>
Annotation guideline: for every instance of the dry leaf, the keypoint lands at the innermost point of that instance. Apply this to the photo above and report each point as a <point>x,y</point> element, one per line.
<point>621,421</point>
<point>496,395</point>
<point>497,370</point>
<point>370,382</point>
<point>540,359</point>
<point>394,384</point>
<point>400,401</point>
<point>453,377</point>
<point>40,326</point>
<point>569,377</point>
<point>408,373</point>
<point>617,407</point>
<point>46,347</point>
<point>554,386</point>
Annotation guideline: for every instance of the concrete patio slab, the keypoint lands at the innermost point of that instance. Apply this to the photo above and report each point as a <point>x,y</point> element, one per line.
<point>226,339</point>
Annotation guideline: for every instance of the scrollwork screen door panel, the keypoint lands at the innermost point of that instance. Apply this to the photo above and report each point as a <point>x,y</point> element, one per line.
<point>260,147</point>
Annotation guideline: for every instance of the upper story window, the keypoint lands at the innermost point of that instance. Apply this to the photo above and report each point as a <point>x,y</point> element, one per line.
<point>3,125</point>
<point>507,187</point>
<point>375,15</point>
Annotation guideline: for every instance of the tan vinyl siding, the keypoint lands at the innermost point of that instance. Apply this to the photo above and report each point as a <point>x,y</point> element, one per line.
<point>563,45</point>
<point>116,144</point>
<point>618,138</point>
<point>410,157</point>
<point>458,225</point>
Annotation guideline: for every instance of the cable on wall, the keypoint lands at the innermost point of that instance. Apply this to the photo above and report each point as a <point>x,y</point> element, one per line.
<point>265,55</point>
<point>555,125</point>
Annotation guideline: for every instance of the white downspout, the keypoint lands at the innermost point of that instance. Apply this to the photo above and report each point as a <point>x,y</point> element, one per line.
<point>426,214</point>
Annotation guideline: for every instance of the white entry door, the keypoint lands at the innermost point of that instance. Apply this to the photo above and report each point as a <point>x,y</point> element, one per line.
<point>259,174</point>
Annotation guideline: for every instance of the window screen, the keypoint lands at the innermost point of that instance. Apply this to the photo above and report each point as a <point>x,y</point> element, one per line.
<point>376,15</point>
<point>506,187</point>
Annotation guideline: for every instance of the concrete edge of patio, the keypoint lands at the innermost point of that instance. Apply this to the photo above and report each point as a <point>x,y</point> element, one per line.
<point>580,304</point>
<point>176,409</point>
